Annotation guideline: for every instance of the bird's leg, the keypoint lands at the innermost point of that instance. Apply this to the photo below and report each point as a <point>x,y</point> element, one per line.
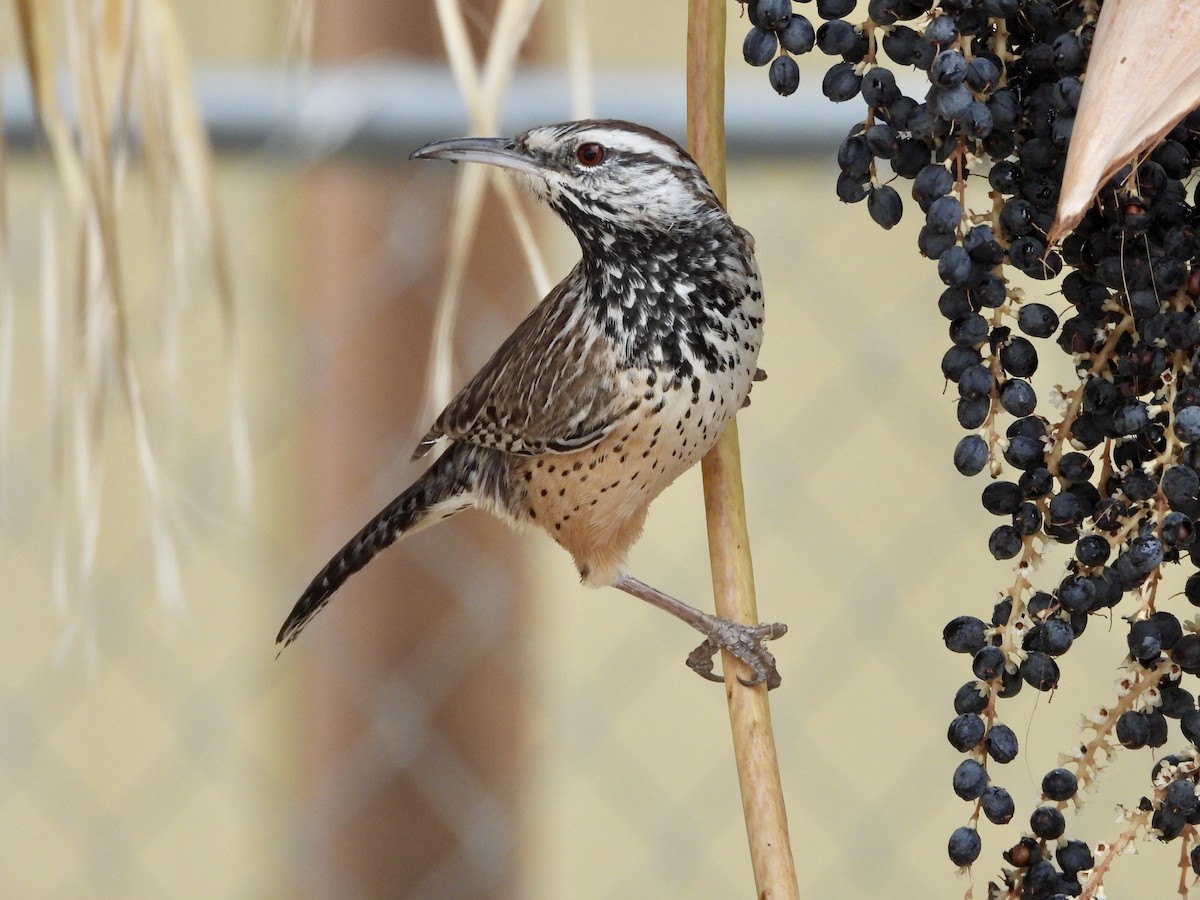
<point>745,642</point>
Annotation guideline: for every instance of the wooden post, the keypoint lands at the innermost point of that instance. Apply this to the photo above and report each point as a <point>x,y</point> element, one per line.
<point>386,720</point>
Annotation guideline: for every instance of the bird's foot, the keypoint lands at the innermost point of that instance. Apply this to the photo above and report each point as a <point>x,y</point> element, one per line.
<point>744,642</point>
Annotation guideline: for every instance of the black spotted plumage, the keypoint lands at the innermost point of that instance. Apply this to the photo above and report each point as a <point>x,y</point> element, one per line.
<point>618,381</point>
<point>564,403</point>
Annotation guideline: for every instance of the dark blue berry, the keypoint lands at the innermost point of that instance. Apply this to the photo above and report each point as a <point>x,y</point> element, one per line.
<point>1054,637</point>
<point>1144,642</point>
<point>970,330</point>
<point>759,46</point>
<point>774,14</point>
<point>1018,398</point>
<point>836,37</point>
<point>1180,484</point>
<point>835,9</point>
<point>798,35</point>
<point>964,846</point>
<point>1037,320</point>
<point>1130,417</point>
<point>941,30</point>
<point>1059,785</point>
<point>980,242</point>
<point>1187,424</point>
<point>997,804</point>
<point>1176,702</point>
<point>884,206</point>
<point>965,732</point>
<point>1019,358</point>
<point>969,699</point>
<point>1005,542</point>
<point>1189,725</point>
<point>948,69</point>
<point>1040,671</point>
<point>1145,553</point>
<point>988,663</point>
<point>1092,550</point>
<point>1048,823</point>
<point>1180,797</point>
<point>970,455</point>
<point>1133,730</point>
<point>1001,498</point>
<point>1001,743</point>
<point>932,182</point>
<point>841,82</point>
<point>852,188</point>
<point>785,78</point>
<point>982,74</point>
<point>1075,468</point>
<point>1169,823</point>
<point>970,780</point>
<point>1178,530</point>
<point>879,88</point>
<point>958,359</point>
<point>1073,857</point>
<point>964,634</point>
<point>951,102</point>
<point>954,266</point>
<point>944,215</point>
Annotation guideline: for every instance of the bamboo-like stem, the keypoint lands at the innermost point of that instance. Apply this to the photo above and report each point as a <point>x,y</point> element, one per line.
<point>728,540</point>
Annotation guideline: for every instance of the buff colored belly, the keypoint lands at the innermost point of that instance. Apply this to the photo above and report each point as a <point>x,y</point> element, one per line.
<point>594,501</point>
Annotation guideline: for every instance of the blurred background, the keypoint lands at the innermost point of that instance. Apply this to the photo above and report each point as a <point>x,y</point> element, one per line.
<point>465,720</point>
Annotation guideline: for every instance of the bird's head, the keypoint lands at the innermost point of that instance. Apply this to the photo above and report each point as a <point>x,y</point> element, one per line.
<point>606,178</point>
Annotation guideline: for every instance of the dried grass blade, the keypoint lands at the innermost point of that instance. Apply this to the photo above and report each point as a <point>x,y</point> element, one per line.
<point>53,339</point>
<point>298,35</point>
<point>7,310</point>
<point>482,95</point>
<point>35,18</point>
<point>579,63</point>
<point>192,154</point>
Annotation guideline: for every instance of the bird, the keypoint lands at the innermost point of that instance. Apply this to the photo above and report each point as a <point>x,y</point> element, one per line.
<point>621,379</point>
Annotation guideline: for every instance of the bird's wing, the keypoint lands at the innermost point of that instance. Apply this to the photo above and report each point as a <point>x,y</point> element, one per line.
<point>549,388</point>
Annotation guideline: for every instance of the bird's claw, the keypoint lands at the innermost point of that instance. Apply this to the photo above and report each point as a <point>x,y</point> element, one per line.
<point>744,642</point>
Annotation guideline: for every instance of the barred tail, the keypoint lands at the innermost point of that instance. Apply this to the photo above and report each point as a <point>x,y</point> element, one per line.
<point>450,485</point>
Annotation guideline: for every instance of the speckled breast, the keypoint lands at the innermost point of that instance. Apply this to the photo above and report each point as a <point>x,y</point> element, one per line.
<point>594,501</point>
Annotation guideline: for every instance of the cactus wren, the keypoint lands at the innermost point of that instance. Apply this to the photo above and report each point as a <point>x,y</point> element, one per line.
<point>618,381</point>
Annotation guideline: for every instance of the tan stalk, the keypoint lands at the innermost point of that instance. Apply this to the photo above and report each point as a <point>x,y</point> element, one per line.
<point>120,56</point>
<point>191,155</point>
<point>728,539</point>
<point>580,82</point>
<point>34,19</point>
<point>482,93</point>
<point>7,314</point>
<point>298,36</point>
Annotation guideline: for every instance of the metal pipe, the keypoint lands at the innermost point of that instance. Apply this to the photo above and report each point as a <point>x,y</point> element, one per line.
<point>388,108</point>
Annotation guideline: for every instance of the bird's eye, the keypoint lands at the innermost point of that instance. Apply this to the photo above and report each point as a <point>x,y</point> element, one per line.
<point>590,154</point>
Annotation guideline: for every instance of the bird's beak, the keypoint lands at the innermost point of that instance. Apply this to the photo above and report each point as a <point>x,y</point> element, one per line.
<point>502,152</point>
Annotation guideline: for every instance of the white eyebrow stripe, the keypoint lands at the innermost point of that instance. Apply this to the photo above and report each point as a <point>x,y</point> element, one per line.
<point>631,142</point>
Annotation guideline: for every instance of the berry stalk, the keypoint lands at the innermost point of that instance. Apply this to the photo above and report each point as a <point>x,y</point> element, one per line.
<point>729,542</point>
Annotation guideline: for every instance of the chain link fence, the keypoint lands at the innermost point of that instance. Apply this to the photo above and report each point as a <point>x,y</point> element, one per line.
<point>546,740</point>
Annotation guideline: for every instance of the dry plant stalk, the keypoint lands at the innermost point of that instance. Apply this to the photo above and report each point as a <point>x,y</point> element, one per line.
<point>482,89</point>
<point>124,61</point>
<point>1143,77</point>
<point>729,543</point>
